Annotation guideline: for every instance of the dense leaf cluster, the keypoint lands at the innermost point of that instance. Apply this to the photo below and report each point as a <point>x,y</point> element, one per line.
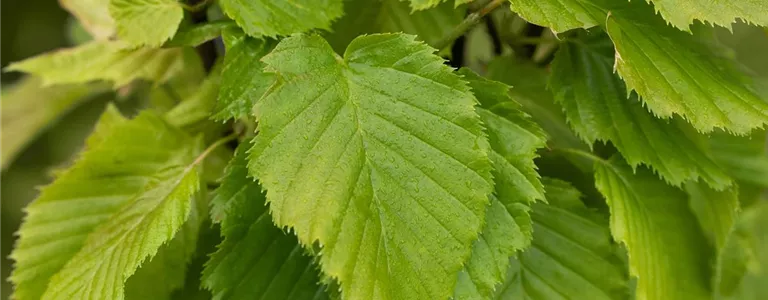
<point>618,155</point>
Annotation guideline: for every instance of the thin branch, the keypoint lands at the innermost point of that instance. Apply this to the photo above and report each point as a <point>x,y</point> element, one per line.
<point>469,22</point>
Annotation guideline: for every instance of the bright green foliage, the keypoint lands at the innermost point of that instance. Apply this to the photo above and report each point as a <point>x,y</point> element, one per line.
<point>682,13</point>
<point>560,15</point>
<point>656,226</point>
<point>273,18</point>
<point>243,78</point>
<point>101,196</point>
<point>256,258</point>
<point>716,210</point>
<point>374,16</point>
<point>27,109</point>
<point>199,34</point>
<point>514,140</point>
<point>394,205</point>
<point>93,15</point>
<point>103,61</point>
<point>675,74</point>
<point>742,270</point>
<point>146,22</point>
<point>572,255</point>
<point>597,106</point>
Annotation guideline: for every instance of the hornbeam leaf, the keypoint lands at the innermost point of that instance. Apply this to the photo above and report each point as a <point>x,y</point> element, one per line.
<point>381,16</point>
<point>596,104</point>
<point>126,162</point>
<point>93,15</point>
<point>741,269</point>
<point>676,74</point>
<point>255,258</point>
<point>272,18</point>
<point>559,15</point>
<point>145,221</point>
<point>243,79</point>
<point>28,108</point>
<point>716,210</point>
<point>682,13</point>
<point>667,251</point>
<point>146,22</point>
<point>571,256</point>
<point>514,139</point>
<point>379,157</point>
<point>103,60</point>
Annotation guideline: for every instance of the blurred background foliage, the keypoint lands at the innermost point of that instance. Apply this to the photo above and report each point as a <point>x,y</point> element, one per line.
<point>42,131</point>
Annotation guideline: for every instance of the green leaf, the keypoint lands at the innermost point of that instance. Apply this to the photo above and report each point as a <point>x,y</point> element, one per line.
<point>93,15</point>
<point>243,78</point>
<point>379,157</point>
<point>256,258</point>
<point>28,108</point>
<point>94,199</point>
<point>197,35</point>
<point>559,15</point>
<point>724,13</point>
<point>715,210</point>
<point>676,74</point>
<point>146,22</point>
<point>572,255</point>
<point>380,16</point>
<point>103,60</point>
<point>529,90</point>
<point>514,139</point>
<point>200,105</point>
<point>744,158</point>
<point>667,251</point>
<point>742,267</point>
<point>274,18</point>
<point>598,108</point>
<point>117,247</point>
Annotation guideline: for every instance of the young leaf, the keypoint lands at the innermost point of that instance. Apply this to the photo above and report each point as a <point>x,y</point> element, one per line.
<point>272,18</point>
<point>146,22</point>
<point>559,15</point>
<point>93,15</point>
<point>596,104</point>
<point>377,156</point>
<point>200,105</point>
<point>716,210</point>
<point>27,108</point>
<point>243,79</point>
<point>256,258</point>
<point>514,140</point>
<point>380,16</point>
<point>724,13</point>
<point>667,252</point>
<point>741,270</point>
<point>103,60</point>
<point>676,74</point>
<point>571,256</point>
<point>118,245</point>
<point>73,214</point>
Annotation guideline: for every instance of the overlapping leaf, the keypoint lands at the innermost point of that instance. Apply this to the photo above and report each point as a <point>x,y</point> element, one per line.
<point>133,173</point>
<point>273,18</point>
<point>742,269</point>
<point>27,108</point>
<point>667,251</point>
<point>256,258</point>
<point>682,13</point>
<point>571,256</point>
<point>676,74</point>
<point>596,104</point>
<point>103,60</point>
<point>93,15</point>
<point>379,16</point>
<point>243,78</point>
<point>379,157</point>
<point>514,140</point>
<point>146,22</point>
<point>559,15</point>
